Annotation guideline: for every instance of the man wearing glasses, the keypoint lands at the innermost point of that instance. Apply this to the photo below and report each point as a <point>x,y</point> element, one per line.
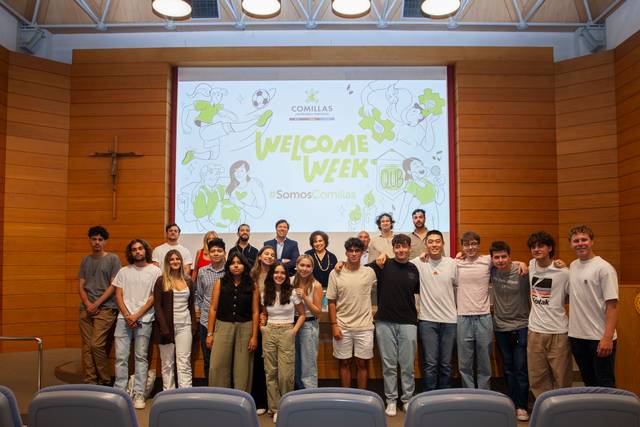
<point>475,326</point>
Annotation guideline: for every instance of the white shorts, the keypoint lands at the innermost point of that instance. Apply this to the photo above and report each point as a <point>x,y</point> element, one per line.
<point>354,343</point>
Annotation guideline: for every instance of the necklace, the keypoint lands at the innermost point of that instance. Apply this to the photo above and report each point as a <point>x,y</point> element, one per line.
<point>326,255</point>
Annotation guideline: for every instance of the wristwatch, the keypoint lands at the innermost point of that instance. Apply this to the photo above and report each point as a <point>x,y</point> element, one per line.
<point>209,334</point>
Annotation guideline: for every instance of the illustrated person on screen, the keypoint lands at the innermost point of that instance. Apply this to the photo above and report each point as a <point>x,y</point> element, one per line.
<point>203,201</point>
<point>409,118</point>
<point>217,124</point>
<point>287,251</point>
<point>423,189</point>
<point>245,192</point>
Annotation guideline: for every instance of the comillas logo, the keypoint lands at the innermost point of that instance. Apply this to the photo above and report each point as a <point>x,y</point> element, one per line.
<point>312,105</point>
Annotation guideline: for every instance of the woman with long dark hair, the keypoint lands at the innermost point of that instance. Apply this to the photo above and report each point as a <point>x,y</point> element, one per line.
<point>280,305</point>
<point>233,326</point>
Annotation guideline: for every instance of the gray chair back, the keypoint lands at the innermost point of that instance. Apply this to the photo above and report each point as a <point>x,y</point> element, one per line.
<point>9,412</point>
<point>81,405</point>
<point>203,407</point>
<point>331,407</point>
<point>586,407</point>
<point>460,408</point>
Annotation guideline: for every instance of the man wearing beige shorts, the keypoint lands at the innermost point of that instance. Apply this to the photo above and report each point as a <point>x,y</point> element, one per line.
<point>548,347</point>
<point>349,295</point>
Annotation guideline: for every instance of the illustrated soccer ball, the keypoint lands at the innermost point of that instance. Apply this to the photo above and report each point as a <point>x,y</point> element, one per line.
<point>260,98</point>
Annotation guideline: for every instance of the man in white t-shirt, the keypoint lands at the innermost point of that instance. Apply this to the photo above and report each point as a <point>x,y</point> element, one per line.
<point>173,234</point>
<point>548,349</point>
<point>349,295</point>
<point>593,298</point>
<point>134,296</point>
<point>438,317</point>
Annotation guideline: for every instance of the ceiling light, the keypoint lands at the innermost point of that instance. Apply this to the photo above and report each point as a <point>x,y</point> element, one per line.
<point>439,9</point>
<point>171,9</point>
<point>351,8</point>
<point>261,9</point>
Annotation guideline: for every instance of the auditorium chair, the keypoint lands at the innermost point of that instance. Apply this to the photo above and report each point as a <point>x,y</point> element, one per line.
<point>331,407</point>
<point>81,405</point>
<point>9,412</point>
<point>586,407</point>
<point>203,406</point>
<point>460,407</point>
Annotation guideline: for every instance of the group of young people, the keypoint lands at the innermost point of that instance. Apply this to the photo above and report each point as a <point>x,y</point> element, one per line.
<point>259,309</point>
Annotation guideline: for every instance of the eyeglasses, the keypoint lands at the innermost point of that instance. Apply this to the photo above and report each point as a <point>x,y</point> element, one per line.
<point>470,244</point>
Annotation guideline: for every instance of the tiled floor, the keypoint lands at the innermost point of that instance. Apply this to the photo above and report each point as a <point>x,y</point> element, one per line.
<point>18,372</point>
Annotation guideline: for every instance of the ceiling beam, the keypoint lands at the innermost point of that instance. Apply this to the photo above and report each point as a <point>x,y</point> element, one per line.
<point>88,11</point>
<point>606,11</point>
<point>521,24</point>
<point>534,9</point>
<point>587,10</point>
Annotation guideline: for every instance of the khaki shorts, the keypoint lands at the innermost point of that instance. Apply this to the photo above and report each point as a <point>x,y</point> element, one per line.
<point>354,343</point>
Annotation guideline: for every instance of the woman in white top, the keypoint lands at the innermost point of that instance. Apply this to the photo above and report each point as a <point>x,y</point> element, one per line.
<point>310,291</point>
<point>280,305</point>
<point>175,324</point>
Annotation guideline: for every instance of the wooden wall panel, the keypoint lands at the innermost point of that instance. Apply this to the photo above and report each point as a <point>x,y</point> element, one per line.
<point>586,131</point>
<point>131,102</point>
<point>34,200</point>
<point>4,84</point>
<point>627,69</point>
<point>507,184</point>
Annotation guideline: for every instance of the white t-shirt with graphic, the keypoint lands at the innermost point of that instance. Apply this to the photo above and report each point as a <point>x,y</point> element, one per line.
<point>549,289</point>
<point>593,283</point>
<point>137,286</point>
<point>437,297</point>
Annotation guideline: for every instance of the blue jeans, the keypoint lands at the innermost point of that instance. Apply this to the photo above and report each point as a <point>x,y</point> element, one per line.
<point>206,353</point>
<point>437,341</point>
<point>397,344</point>
<point>475,337</point>
<point>512,346</point>
<point>306,371</point>
<point>123,336</point>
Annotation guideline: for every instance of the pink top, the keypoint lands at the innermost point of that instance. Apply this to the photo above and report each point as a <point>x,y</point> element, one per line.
<point>473,286</point>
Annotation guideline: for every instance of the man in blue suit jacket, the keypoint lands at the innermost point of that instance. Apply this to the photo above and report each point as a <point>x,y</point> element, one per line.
<point>286,249</point>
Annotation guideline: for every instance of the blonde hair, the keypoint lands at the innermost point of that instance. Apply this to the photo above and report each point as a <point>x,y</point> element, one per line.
<point>168,282</point>
<point>298,281</point>
<point>205,239</point>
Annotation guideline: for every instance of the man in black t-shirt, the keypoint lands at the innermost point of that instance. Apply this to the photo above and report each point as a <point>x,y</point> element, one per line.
<point>243,246</point>
<point>396,321</point>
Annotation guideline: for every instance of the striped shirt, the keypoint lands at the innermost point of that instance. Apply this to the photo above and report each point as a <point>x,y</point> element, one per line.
<point>207,277</point>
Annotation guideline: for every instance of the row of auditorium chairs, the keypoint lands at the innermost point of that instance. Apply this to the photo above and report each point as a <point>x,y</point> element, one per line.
<point>76,405</point>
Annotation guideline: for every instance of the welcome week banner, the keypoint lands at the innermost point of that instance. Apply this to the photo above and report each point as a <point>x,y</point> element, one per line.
<point>327,154</point>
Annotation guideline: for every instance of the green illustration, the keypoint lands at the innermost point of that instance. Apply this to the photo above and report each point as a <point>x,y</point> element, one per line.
<point>381,129</point>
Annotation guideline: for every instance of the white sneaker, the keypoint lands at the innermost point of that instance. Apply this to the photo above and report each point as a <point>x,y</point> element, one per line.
<point>138,402</point>
<point>260,411</point>
<point>391,409</point>
<point>275,418</point>
<point>522,415</point>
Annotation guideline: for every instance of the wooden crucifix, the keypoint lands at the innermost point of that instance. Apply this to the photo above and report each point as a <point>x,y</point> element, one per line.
<point>114,155</point>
